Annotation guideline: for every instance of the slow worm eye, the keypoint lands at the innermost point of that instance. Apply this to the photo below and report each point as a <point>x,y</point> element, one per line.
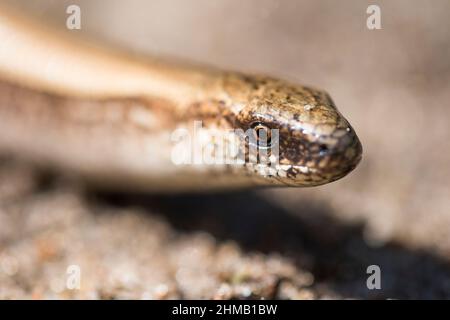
<point>261,134</point>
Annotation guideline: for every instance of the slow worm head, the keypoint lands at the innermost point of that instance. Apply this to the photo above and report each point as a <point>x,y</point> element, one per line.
<point>317,145</point>
<point>113,118</point>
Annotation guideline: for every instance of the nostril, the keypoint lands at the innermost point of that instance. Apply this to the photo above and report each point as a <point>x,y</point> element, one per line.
<point>323,149</point>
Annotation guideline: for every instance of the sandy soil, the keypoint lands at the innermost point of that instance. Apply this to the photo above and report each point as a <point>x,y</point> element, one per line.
<point>393,211</point>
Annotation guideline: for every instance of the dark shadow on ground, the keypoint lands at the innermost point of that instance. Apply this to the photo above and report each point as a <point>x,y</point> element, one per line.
<point>333,251</point>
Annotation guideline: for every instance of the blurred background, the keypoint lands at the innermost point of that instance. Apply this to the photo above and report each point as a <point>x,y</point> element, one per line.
<point>392,211</point>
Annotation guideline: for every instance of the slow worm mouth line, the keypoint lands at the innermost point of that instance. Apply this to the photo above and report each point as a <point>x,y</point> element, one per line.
<point>102,114</point>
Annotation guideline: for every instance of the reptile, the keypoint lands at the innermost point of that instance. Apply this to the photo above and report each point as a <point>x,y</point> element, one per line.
<point>110,117</point>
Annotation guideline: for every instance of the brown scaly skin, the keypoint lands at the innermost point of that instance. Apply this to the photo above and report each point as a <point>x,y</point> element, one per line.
<point>109,116</point>
<point>317,145</point>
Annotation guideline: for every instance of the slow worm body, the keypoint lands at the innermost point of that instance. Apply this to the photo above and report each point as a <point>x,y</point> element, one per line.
<point>113,118</point>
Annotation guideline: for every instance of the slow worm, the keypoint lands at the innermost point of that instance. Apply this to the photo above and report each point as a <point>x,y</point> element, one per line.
<point>111,118</point>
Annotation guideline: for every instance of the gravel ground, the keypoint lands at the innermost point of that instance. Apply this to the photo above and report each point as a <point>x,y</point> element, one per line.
<point>393,211</point>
